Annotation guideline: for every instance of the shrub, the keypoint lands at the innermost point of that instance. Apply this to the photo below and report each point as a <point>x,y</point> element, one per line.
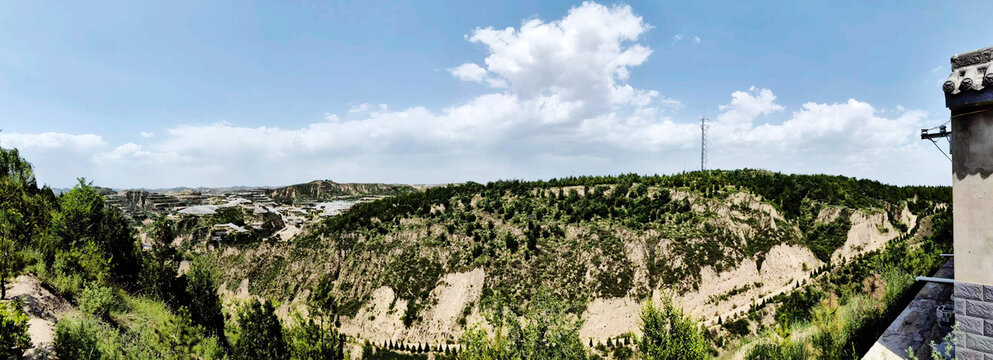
<point>261,335</point>
<point>205,305</point>
<point>99,300</point>
<point>669,334</point>
<point>76,338</point>
<point>796,306</point>
<point>771,351</point>
<point>311,339</point>
<point>476,345</point>
<point>549,334</point>
<point>738,327</point>
<point>622,353</point>
<point>13,330</point>
<point>824,239</point>
<point>67,278</point>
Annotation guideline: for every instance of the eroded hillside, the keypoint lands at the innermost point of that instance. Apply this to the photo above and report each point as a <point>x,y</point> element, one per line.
<point>423,266</point>
<point>322,190</point>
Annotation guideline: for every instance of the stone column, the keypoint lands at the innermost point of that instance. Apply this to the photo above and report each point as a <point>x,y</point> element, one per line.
<point>969,96</point>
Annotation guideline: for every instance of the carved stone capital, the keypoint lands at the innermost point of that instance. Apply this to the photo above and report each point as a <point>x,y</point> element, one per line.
<point>971,81</point>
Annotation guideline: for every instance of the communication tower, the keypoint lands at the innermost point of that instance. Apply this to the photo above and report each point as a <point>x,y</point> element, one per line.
<point>704,124</point>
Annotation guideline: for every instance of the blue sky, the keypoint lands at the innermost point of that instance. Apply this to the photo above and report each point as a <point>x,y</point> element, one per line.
<point>236,93</point>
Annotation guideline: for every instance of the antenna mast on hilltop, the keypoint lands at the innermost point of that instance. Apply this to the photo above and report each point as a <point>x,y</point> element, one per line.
<point>704,124</point>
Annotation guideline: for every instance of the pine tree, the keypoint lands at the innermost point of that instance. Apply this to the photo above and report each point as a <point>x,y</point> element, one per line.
<point>261,333</point>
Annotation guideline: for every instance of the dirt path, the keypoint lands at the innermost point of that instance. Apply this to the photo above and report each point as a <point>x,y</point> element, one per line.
<point>43,308</point>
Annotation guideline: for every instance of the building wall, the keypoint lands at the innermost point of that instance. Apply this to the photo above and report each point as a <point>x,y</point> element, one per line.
<point>972,165</point>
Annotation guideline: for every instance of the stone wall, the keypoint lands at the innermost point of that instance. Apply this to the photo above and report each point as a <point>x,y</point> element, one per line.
<point>974,314</point>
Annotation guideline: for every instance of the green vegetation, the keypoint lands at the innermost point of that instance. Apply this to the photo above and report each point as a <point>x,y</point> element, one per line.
<point>85,251</point>
<point>205,305</point>
<point>840,315</point>
<point>79,338</point>
<point>577,236</point>
<point>795,307</point>
<point>99,300</point>
<point>548,334</point>
<point>261,334</point>
<point>13,330</point>
<point>737,327</point>
<point>547,248</point>
<point>669,334</point>
<point>823,239</point>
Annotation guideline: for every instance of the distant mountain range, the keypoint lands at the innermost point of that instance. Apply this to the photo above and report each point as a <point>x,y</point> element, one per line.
<point>326,189</point>
<point>314,190</point>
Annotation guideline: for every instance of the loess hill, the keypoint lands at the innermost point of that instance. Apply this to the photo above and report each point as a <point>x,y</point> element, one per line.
<point>424,266</point>
<point>318,190</point>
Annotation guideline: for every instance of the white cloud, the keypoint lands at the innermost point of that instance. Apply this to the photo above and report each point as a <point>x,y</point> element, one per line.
<point>359,109</point>
<point>51,141</point>
<point>469,72</point>
<point>58,158</point>
<point>851,138</point>
<point>583,58</point>
<point>696,39</point>
<point>146,134</point>
<point>564,107</point>
<point>747,106</point>
<point>475,73</point>
<point>668,103</point>
<point>677,37</point>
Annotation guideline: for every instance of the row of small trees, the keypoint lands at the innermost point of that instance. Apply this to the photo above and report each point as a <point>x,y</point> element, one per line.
<point>419,348</point>
<point>549,333</point>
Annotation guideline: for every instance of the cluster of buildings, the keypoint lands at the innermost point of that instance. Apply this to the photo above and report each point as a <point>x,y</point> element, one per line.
<point>262,212</point>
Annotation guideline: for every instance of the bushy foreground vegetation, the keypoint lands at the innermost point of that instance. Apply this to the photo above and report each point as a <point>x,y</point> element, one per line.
<point>132,303</point>
<point>842,314</point>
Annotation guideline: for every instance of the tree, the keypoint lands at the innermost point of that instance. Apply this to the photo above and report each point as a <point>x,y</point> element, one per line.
<point>311,339</point>
<point>477,345</point>
<point>160,267</point>
<point>9,259</point>
<point>205,305</point>
<point>14,337</point>
<point>85,221</point>
<point>549,334</point>
<point>261,335</point>
<point>668,334</point>
<point>318,335</point>
<point>179,338</point>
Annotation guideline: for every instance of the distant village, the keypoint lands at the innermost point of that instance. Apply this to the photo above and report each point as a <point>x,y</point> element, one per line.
<point>256,212</point>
